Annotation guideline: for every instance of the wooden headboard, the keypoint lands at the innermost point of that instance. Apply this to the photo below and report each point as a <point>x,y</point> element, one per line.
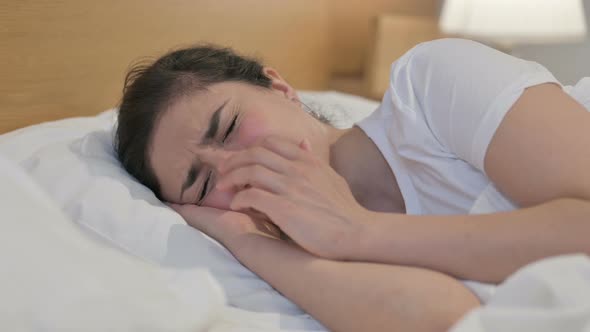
<point>68,58</point>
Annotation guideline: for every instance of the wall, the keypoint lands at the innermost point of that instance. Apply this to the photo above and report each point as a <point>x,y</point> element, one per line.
<point>568,62</point>
<point>68,58</point>
<point>351,27</point>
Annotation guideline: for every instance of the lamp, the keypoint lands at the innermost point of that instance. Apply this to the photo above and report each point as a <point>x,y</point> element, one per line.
<point>507,22</point>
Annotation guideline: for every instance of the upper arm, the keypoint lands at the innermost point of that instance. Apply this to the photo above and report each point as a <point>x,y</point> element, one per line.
<point>462,90</point>
<point>541,150</point>
<point>502,115</point>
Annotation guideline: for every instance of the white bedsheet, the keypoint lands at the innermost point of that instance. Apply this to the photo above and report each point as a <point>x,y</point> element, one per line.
<point>54,278</point>
<point>552,295</point>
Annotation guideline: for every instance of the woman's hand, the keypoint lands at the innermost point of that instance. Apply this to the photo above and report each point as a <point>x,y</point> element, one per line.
<point>230,228</point>
<point>298,192</point>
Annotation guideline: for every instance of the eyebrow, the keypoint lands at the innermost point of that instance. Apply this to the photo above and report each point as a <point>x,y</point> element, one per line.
<point>193,172</point>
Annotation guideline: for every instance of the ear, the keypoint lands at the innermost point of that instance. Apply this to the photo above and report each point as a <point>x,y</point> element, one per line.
<point>280,85</point>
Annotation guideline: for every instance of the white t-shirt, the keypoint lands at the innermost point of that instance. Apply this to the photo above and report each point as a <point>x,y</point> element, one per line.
<point>445,101</point>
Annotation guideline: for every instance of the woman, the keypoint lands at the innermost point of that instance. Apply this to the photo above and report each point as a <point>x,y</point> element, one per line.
<point>473,166</point>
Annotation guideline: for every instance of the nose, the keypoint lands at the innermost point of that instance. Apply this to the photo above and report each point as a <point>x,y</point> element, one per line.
<point>214,157</point>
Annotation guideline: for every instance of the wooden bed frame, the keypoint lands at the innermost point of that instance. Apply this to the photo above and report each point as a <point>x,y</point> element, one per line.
<point>68,58</point>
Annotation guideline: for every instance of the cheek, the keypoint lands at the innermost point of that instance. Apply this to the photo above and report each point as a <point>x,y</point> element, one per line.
<point>251,130</point>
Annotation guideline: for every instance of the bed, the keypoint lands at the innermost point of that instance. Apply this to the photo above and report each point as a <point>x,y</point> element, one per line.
<point>72,161</point>
<point>78,232</point>
<point>88,248</point>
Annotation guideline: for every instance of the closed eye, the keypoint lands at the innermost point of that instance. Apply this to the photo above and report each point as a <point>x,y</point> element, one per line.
<point>230,128</point>
<point>228,132</point>
<point>204,190</point>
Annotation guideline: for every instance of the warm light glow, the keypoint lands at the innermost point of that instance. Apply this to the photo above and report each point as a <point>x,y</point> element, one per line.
<point>515,21</point>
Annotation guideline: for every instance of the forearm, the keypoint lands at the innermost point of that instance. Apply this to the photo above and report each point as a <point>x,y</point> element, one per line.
<point>350,296</point>
<point>479,247</point>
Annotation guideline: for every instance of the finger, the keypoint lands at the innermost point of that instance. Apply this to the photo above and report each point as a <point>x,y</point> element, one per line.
<point>255,155</point>
<point>305,145</point>
<point>273,206</point>
<point>285,148</point>
<point>254,176</point>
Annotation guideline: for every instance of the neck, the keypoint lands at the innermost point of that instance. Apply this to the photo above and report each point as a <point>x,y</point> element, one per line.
<point>355,157</point>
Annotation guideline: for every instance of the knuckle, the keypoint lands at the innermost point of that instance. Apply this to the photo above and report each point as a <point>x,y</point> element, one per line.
<point>250,194</point>
<point>314,161</point>
<point>256,172</point>
<point>288,207</point>
<point>253,155</point>
<point>284,184</point>
<point>239,196</point>
<point>231,178</point>
<point>288,211</point>
<point>305,189</point>
<point>295,184</point>
<point>268,140</point>
<point>254,192</point>
<point>256,152</point>
<point>265,143</point>
<point>306,176</point>
<point>232,159</point>
<point>295,170</point>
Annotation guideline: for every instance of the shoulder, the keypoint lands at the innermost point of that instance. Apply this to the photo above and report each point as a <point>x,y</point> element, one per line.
<point>434,64</point>
<point>446,48</point>
<point>461,62</point>
<point>456,55</point>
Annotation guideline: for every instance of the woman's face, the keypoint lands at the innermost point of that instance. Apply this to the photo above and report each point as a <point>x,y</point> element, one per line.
<point>197,132</point>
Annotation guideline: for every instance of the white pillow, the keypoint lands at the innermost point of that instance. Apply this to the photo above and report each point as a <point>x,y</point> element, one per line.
<point>55,279</point>
<point>87,181</point>
<point>22,143</point>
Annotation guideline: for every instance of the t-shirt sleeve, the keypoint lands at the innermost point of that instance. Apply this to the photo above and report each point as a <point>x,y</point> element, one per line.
<point>462,89</point>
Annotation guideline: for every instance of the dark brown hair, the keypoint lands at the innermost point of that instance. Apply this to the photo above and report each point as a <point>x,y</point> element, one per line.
<point>150,88</point>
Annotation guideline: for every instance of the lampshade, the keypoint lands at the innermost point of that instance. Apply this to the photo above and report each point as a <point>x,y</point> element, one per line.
<point>515,21</point>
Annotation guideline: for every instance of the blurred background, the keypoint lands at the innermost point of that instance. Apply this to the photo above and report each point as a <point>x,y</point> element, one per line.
<point>69,57</point>
<point>551,32</point>
<point>569,61</point>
